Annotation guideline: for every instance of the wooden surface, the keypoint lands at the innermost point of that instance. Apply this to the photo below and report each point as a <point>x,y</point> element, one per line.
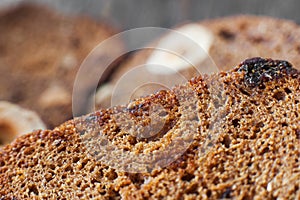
<point>167,13</point>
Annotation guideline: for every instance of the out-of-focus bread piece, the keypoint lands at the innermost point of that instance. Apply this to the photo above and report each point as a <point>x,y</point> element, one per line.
<point>40,53</point>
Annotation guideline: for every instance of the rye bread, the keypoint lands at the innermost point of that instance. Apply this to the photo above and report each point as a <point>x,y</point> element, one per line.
<point>255,154</point>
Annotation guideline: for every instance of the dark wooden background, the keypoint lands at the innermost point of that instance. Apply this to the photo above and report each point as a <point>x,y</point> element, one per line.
<point>127,14</point>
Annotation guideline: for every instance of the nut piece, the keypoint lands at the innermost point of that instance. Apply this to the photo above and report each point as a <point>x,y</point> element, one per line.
<point>179,50</point>
<point>15,121</point>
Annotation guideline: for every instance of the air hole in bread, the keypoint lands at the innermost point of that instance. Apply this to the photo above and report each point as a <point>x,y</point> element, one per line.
<point>78,184</point>
<point>49,176</point>
<point>180,163</point>
<point>93,181</point>
<point>265,150</point>
<point>279,95</point>
<point>298,134</point>
<point>216,180</point>
<point>28,150</point>
<point>192,189</point>
<point>132,140</point>
<point>52,166</point>
<point>249,164</point>
<point>76,159</point>
<point>33,189</point>
<point>208,193</point>
<point>2,163</point>
<point>287,90</point>
<point>226,141</point>
<point>254,134</point>
<point>254,102</point>
<point>244,92</point>
<point>136,179</point>
<point>250,112</point>
<point>111,175</point>
<point>262,86</point>
<point>260,124</point>
<point>236,122</point>
<point>69,168</point>
<point>83,187</point>
<point>61,149</point>
<point>83,163</point>
<point>187,177</point>
<point>126,149</point>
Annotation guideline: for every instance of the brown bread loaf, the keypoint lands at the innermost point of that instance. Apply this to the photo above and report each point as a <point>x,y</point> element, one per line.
<point>255,154</point>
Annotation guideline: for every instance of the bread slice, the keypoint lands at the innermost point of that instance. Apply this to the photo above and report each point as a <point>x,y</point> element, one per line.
<point>40,53</point>
<point>245,145</point>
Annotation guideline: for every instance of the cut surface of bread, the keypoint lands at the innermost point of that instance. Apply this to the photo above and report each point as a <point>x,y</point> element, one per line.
<point>253,151</point>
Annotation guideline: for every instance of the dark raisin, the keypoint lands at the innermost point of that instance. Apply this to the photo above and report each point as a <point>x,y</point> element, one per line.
<point>259,70</point>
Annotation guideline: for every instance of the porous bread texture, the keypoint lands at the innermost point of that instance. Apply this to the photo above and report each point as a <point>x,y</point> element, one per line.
<point>255,156</point>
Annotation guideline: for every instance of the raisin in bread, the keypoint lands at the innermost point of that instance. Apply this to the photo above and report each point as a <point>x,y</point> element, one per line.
<point>255,154</point>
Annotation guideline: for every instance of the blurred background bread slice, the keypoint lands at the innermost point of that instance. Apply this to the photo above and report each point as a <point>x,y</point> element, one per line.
<point>15,121</point>
<point>41,51</point>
